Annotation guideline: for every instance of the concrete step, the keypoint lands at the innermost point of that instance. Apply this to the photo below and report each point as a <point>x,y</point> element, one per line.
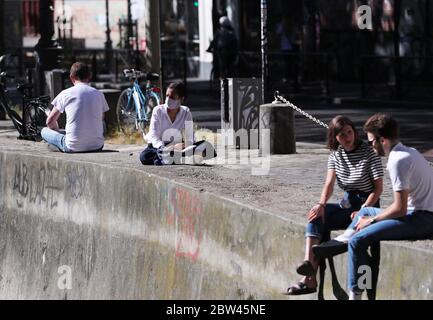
<point>211,125</point>
<point>203,116</point>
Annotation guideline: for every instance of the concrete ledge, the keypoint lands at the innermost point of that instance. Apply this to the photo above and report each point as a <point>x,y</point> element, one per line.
<point>130,234</point>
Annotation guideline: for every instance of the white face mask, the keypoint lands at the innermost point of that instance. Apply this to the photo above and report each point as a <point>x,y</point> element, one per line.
<point>172,103</point>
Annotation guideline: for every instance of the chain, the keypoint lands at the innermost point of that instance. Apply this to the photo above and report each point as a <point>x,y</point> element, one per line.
<point>280,99</point>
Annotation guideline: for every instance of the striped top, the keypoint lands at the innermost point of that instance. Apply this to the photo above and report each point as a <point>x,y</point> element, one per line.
<point>356,170</point>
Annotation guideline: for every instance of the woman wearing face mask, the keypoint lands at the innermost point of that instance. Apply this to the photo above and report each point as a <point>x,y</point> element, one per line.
<point>171,127</point>
<point>170,120</point>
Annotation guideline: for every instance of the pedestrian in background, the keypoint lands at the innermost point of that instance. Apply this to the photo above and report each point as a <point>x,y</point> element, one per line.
<point>225,50</point>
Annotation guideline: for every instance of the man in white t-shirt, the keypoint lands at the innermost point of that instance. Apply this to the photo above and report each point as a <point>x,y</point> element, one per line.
<point>409,217</point>
<point>84,107</point>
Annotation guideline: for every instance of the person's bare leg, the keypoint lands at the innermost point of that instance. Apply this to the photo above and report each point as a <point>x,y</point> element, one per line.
<point>311,281</point>
<point>309,255</point>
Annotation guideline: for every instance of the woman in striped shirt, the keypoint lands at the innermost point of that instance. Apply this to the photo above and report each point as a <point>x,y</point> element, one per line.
<point>358,172</point>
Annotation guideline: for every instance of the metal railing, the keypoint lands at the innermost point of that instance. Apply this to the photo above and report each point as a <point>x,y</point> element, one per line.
<point>96,58</point>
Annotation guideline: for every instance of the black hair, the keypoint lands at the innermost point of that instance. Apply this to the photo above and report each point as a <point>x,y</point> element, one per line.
<point>179,88</point>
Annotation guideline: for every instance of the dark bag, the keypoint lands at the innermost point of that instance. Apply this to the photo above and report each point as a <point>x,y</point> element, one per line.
<point>203,148</point>
<point>154,157</point>
<point>151,156</point>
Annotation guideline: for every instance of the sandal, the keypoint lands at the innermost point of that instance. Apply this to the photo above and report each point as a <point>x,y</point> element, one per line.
<point>305,269</point>
<point>299,289</point>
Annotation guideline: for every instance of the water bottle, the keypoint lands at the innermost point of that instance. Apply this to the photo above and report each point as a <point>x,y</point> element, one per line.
<point>345,202</point>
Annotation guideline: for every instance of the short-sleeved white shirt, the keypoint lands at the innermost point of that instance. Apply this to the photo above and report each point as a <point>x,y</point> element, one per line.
<point>84,107</point>
<point>162,130</point>
<point>409,170</point>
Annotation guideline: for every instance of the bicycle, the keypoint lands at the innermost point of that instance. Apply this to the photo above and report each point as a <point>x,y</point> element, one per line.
<point>34,109</point>
<point>134,107</point>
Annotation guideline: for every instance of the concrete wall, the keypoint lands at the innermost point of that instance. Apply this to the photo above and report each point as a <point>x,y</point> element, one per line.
<point>129,234</point>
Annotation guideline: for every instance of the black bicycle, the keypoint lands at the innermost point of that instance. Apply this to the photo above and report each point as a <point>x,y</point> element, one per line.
<point>34,109</point>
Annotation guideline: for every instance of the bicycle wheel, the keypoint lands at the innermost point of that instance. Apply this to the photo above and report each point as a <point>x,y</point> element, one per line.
<point>17,122</point>
<point>151,102</point>
<point>126,113</point>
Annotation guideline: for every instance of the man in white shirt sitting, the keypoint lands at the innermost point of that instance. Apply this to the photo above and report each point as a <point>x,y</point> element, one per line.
<point>84,107</point>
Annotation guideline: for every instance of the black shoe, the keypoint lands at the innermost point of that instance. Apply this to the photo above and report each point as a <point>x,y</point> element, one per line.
<point>299,289</point>
<point>305,269</point>
<point>329,249</point>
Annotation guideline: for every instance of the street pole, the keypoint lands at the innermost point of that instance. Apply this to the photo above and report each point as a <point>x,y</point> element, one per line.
<point>2,10</point>
<point>108,42</point>
<point>46,31</point>
<point>128,26</point>
<point>264,44</point>
<point>397,13</point>
<point>427,31</point>
<point>46,23</point>
<point>397,69</point>
<point>64,25</point>
<point>153,41</point>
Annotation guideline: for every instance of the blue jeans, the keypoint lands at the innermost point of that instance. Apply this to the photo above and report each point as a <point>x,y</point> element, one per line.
<point>336,216</point>
<point>364,212</point>
<point>416,225</point>
<point>55,138</point>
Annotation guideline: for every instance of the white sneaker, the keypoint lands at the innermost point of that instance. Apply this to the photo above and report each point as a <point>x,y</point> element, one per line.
<point>355,295</point>
<point>345,237</point>
<point>198,159</point>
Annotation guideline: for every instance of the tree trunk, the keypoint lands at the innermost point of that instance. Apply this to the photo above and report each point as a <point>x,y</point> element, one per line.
<point>46,23</point>
<point>153,41</point>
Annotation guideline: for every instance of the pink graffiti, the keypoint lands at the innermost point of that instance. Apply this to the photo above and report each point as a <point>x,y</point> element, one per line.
<point>186,209</point>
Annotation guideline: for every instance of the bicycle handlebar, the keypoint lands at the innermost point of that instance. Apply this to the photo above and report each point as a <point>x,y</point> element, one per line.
<point>138,74</point>
<point>4,75</point>
<point>133,74</point>
<point>40,99</point>
<point>3,57</point>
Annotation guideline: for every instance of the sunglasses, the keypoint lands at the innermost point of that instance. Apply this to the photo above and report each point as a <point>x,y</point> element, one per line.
<point>371,142</point>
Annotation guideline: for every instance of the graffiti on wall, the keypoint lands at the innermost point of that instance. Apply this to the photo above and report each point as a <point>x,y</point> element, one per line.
<point>36,184</point>
<point>76,179</point>
<point>43,184</point>
<point>249,97</point>
<point>184,213</point>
